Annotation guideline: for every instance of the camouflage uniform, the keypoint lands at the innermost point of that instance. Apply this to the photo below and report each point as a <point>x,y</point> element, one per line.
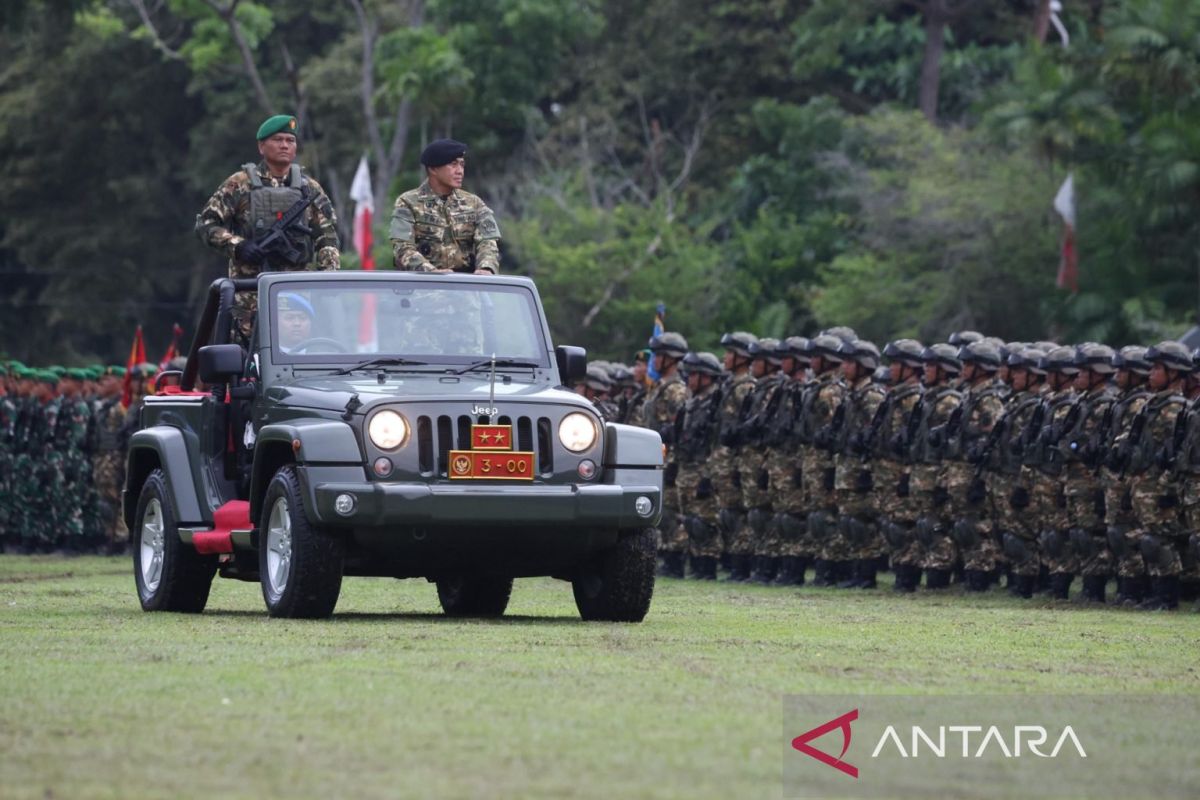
<point>818,470</point>
<point>1043,473</point>
<point>70,442</point>
<point>699,505</point>
<point>108,466</point>
<point>1154,490</point>
<point>1081,447</point>
<point>727,480</point>
<point>938,552</point>
<point>756,497</point>
<point>457,232</point>
<point>969,502</point>
<point>8,430</point>
<point>898,506</point>
<point>853,483</point>
<point>225,222</point>
<point>788,535</point>
<point>1009,486</point>
<point>1119,517</point>
<point>662,405</point>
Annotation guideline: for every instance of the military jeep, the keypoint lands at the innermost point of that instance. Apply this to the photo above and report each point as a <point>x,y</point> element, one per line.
<point>397,424</point>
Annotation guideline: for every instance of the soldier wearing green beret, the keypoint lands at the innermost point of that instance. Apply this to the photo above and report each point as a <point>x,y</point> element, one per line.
<point>438,227</point>
<point>249,202</point>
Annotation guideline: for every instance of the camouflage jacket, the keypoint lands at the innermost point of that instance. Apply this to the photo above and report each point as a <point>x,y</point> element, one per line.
<point>1153,433</point>
<point>982,407</point>
<point>885,438</point>
<point>1083,443</point>
<point>662,405</point>
<point>823,415</point>
<point>456,232</point>
<point>696,431</point>
<point>758,409</point>
<point>862,403</point>
<point>930,423</point>
<point>736,391</point>
<point>224,221</point>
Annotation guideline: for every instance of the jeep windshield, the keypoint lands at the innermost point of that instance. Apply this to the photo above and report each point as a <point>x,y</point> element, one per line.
<point>404,324</point>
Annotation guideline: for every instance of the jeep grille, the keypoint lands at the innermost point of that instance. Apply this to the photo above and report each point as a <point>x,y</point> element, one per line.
<point>437,436</point>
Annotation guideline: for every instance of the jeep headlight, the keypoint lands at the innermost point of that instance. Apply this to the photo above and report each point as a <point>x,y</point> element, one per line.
<point>577,432</point>
<point>387,430</point>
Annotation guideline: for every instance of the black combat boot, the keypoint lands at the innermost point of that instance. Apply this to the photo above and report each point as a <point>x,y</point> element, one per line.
<point>1132,591</point>
<point>904,578</point>
<point>1189,589</point>
<point>1093,588</point>
<point>847,572</point>
<point>1165,594</point>
<point>758,574</point>
<point>739,568</point>
<point>820,572</point>
<point>1042,584</point>
<point>1060,585</point>
<point>971,580</point>
<point>704,568</point>
<point>937,578</point>
<point>786,575</point>
<point>866,573</point>
<point>672,565</point>
<point>802,563</point>
<point>726,562</point>
<point>1025,586</point>
<point>771,568</point>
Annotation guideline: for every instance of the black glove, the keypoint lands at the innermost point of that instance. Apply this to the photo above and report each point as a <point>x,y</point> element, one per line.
<point>1019,498</point>
<point>1166,501</point>
<point>248,252</point>
<point>797,478</point>
<point>704,489</point>
<point>937,437</point>
<point>863,481</point>
<point>975,453</point>
<point>976,492</point>
<point>764,480</point>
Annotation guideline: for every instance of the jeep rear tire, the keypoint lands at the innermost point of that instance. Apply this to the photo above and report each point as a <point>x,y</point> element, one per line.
<point>474,595</point>
<point>300,564</point>
<point>170,575</point>
<point>618,584</point>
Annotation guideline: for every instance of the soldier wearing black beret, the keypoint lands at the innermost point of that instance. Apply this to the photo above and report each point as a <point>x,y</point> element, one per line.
<point>438,227</point>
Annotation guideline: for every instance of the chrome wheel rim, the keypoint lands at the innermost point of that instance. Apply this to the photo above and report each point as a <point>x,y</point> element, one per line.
<point>151,546</point>
<point>279,547</point>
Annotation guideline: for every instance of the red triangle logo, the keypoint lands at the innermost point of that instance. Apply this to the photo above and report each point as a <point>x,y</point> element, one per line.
<point>801,743</point>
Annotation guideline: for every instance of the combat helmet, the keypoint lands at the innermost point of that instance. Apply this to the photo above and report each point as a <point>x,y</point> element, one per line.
<point>1095,357</point>
<point>739,342</point>
<point>597,378</point>
<point>862,352</point>
<point>828,346</point>
<point>906,351</point>
<point>671,343</point>
<point>704,363</point>
<point>765,349</point>
<point>944,356</point>
<point>1173,355</point>
<point>882,376</point>
<point>843,332</point>
<point>960,338</point>
<point>797,348</point>
<point>983,354</point>
<point>1132,357</point>
<point>1060,360</point>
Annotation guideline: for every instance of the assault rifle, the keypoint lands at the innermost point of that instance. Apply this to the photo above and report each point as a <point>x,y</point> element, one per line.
<point>276,244</point>
<point>694,437</point>
<point>861,445</point>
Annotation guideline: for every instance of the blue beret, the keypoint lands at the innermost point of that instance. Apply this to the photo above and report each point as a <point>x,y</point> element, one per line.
<point>290,301</point>
<point>442,152</point>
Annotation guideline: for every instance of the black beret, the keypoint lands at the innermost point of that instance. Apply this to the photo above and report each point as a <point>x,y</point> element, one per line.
<point>442,152</point>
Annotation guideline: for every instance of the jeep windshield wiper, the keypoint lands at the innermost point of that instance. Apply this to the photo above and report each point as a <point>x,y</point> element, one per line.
<point>500,362</point>
<point>382,361</point>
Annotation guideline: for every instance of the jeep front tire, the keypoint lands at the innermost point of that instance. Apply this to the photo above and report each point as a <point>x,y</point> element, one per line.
<point>618,584</point>
<point>170,575</point>
<point>300,565</point>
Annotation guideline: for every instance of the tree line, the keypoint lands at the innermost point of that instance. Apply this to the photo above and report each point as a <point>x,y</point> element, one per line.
<point>769,165</point>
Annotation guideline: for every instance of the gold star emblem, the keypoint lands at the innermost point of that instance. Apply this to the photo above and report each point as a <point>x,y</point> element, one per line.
<point>499,437</point>
<point>486,437</point>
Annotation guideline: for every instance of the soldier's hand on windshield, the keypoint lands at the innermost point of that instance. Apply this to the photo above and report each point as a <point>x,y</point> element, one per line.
<point>484,272</point>
<point>248,252</point>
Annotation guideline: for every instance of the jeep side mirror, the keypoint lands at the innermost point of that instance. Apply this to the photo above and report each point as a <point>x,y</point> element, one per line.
<point>572,363</point>
<point>169,377</point>
<point>220,363</point>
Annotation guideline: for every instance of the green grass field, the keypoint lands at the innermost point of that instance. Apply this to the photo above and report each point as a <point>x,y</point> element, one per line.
<point>390,699</point>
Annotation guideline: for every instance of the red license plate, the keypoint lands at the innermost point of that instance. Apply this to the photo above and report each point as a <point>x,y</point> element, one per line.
<point>507,466</point>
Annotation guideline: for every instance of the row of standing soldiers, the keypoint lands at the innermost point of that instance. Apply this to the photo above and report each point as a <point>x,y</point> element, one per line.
<point>970,459</point>
<point>63,434</point>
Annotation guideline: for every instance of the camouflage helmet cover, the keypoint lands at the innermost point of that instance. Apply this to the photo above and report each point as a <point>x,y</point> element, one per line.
<point>906,351</point>
<point>1173,355</point>
<point>943,355</point>
<point>704,363</point>
<point>597,378</point>
<point>1095,358</point>
<point>738,341</point>
<point>765,349</point>
<point>861,352</point>
<point>1133,358</point>
<point>982,353</point>
<point>843,332</point>
<point>671,343</point>
<point>828,346</point>
<point>961,338</point>
<point>1060,360</point>
<point>797,347</point>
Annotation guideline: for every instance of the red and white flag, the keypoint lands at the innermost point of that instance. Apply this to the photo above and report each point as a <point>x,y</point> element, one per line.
<point>364,213</point>
<point>1068,266</point>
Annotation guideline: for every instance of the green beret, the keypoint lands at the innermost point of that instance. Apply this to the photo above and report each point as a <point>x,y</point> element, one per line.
<point>280,123</point>
<point>24,372</point>
<point>46,375</point>
<point>115,370</point>
<point>77,373</point>
<point>146,369</point>
<point>57,370</point>
<point>15,365</point>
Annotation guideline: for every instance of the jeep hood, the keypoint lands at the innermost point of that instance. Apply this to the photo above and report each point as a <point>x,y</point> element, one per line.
<point>333,393</point>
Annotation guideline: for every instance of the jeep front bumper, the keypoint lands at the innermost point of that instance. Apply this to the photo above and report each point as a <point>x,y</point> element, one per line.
<point>455,505</point>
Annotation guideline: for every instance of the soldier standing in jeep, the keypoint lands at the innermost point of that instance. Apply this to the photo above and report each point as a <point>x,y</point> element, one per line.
<point>438,227</point>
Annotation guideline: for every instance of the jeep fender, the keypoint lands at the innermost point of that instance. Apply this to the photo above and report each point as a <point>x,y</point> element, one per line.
<point>301,441</point>
<point>627,446</point>
<point>163,447</point>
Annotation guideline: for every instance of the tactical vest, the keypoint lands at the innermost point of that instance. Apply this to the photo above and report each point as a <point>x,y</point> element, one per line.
<point>890,420</point>
<point>650,409</point>
<point>106,435</point>
<point>922,450</point>
<point>696,440</point>
<point>1142,456</point>
<point>269,203</point>
<point>965,436</point>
